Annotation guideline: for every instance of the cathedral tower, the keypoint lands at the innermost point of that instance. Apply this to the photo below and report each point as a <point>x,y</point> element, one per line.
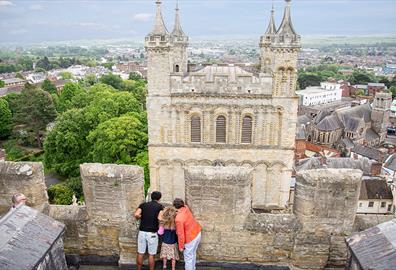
<point>158,48</point>
<point>267,55</point>
<point>179,46</point>
<point>380,113</point>
<point>279,52</point>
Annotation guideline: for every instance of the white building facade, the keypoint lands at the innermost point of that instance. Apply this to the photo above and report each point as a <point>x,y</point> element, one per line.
<point>316,95</point>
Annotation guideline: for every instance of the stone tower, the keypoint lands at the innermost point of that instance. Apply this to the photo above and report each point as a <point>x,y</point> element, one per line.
<point>279,51</point>
<point>222,116</point>
<point>380,113</point>
<point>180,44</point>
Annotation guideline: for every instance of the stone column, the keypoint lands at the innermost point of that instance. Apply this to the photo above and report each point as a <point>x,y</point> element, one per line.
<point>325,204</point>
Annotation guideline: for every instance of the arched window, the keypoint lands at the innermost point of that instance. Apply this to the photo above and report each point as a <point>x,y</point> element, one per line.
<point>195,129</point>
<point>221,128</point>
<point>177,68</point>
<point>247,129</point>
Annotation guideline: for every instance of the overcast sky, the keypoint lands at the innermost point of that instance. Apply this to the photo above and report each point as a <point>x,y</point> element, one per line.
<point>35,21</point>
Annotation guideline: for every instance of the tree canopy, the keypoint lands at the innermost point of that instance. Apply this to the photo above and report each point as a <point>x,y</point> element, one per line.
<point>35,110</point>
<point>48,86</point>
<point>71,142</point>
<point>5,119</point>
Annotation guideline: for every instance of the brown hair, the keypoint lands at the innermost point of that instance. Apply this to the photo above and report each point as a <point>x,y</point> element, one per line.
<point>178,203</point>
<point>168,217</point>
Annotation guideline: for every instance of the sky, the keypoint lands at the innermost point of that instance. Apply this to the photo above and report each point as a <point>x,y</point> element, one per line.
<point>29,21</point>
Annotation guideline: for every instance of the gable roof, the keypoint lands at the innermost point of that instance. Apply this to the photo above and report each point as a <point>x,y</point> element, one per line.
<point>329,123</point>
<point>28,235</point>
<point>368,152</point>
<point>374,190</point>
<point>375,248</point>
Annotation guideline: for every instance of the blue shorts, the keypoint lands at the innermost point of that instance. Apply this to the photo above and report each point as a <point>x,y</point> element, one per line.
<point>147,240</point>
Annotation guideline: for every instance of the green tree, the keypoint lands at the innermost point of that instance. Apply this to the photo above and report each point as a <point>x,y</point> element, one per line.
<point>359,92</point>
<point>35,110</point>
<point>361,77</point>
<point>308,79</point>
<point>60,194</point>
<point>65,99</point>
<point>393,91</point>
<point>133,76</point>
<point>5,119</point>
<point>118,140</point>
<point>44,63</point>
<point>67,146</point>
<point>112,80</point>
<point>2,84</point>
<point>66,75</point>
<point>49,87</point>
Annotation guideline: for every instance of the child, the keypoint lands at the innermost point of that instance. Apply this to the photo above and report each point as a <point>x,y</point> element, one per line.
<point>169,238</point>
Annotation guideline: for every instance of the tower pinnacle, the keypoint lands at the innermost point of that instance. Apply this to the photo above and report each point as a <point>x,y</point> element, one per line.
<point>286,26</point>
<point>271,30</point>
<point>177,30</point>
<point>159,25</point>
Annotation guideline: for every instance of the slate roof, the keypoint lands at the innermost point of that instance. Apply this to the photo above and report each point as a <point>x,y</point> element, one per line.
<point>348,142</point>
<point>329,123</point>
<point>362,111</point>
<point>375,248</point>
<point>303,119</point>
<point>371,135</point>
<point>375,189</point>
<point>368,152</point>
<point>391,163</point>
<point>27,235</point>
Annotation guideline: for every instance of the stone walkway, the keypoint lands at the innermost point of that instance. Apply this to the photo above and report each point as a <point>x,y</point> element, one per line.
<point>180,267</point>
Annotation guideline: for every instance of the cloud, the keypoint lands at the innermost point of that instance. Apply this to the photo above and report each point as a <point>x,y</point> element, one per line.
<point>6,3</point>
<point>143,17</point>
<point>36,7</point>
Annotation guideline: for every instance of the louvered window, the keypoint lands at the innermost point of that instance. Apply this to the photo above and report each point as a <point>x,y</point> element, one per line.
<point>247,130</point>
<point>221,129</point>
<point>195,129</point>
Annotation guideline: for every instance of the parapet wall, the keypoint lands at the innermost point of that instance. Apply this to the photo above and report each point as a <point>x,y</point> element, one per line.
<point>22,177</point>
<point>104,227</point>
<point>310,238</point>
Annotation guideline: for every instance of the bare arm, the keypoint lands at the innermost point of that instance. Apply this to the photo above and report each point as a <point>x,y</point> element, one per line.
<point>138,213</point>
<point>161,216</point>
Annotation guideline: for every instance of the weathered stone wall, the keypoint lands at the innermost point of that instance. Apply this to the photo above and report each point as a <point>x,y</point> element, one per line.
<point>325,204</point>
<point>221,198</point>
<point>112,193</point>
<point>363,222</point>
<point>22,177</point>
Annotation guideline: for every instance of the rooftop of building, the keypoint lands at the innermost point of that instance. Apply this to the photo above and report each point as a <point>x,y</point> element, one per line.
<point>374,190</point>
<point>22,236</point>
<point>375,248</point>
<point>315,90</point>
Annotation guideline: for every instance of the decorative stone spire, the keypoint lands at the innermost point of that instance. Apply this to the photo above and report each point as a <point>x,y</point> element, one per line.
<point>159,25</point>
<point>286,27</point>
<point>271,30</point>
<point>177,31</point>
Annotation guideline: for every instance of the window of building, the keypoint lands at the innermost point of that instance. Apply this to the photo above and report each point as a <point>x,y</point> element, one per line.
<point>221,128</point>
<point>389,208</point>
<point>371,204</point>
<point>177,68</point>
<point>383,204</point>
<point>360,204</point>
<point>247,125</point>
<point>195,129</point>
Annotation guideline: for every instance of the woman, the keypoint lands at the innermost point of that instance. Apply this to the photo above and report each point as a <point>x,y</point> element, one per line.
<point>188,232</point>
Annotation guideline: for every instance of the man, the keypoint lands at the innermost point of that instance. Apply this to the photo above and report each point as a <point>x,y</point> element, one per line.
<point>149,225</point>
<point>18,199</point>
